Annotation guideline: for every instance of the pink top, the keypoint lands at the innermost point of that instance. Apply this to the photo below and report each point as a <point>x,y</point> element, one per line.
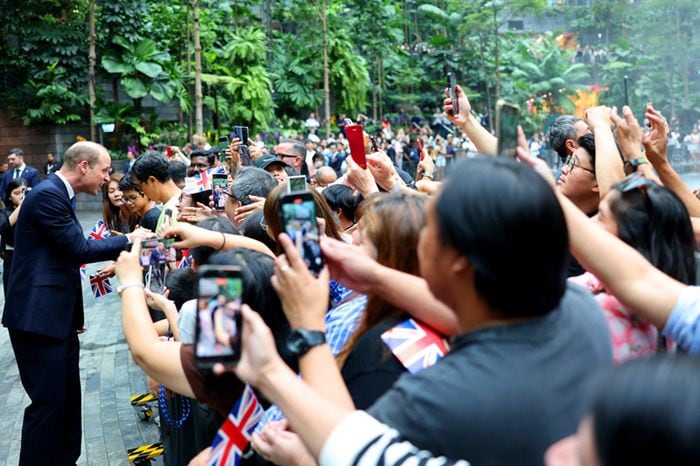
<point>632,336</point>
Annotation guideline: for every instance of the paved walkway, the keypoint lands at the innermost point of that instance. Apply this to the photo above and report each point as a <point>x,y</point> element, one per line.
<point>108,378</point>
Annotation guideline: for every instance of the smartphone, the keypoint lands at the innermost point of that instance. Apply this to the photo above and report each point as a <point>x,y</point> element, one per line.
<point>218,323</point>
<point>298,215</point>
<point>219,184</point>
<point>627,96</point>
<point>356,141</point>
<point>296,184</point>
<point>507,121</point>
<point>241,132</point>
<point>373,141</point>
<point>223,145</point>
<point>156,251</point>
<point>420,149</point>
<point>452,82</point>
<point>169,152</point>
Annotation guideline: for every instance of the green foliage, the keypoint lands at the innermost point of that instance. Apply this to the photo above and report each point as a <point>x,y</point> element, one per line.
<point>57,103</point>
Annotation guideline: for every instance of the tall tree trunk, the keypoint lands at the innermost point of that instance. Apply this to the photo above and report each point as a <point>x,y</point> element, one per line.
<point>326,70</point>
<point>91,67</point>
<point>375,74</point>
<point>198,118</point>
<point>486,83</point>
<point>496,55</point>
<point>189,73</point>
<point>381,88</point>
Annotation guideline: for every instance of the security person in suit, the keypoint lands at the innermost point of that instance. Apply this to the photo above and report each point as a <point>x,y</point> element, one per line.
<point>18,169</point>
<point>44,308</point>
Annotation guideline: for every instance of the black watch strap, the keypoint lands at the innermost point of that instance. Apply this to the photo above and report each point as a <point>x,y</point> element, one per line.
<point>630,166</point>
<point>302,340</point>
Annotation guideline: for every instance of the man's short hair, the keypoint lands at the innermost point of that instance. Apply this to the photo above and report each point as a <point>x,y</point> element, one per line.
<point>80,151</point>
<point>298,148</point>
<point>16,151</point>
<point>127,184</point>
<point>177,171</point>
<point>506,221</point>
<point>251,181</point>
<point>587,142</point>
<point>151,163</point>
<point>562,129</point>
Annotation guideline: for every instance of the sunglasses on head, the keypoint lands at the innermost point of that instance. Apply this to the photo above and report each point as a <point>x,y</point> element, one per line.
<point>634,181</point>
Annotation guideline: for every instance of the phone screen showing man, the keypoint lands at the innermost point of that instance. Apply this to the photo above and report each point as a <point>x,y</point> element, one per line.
<point>219,185</point>
<point>218,317</point>
<point>299,220</point>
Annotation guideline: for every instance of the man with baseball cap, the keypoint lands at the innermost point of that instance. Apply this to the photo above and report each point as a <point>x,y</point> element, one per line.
<point>274,165</point>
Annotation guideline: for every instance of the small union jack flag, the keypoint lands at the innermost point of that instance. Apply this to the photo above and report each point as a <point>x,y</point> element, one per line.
<point>100,231</point>
<point>100,286</point>
<point>184,262</point>
<point>83,272</point>
<point>415,345</point>
<point>201,181</point>
<point>234,434</point>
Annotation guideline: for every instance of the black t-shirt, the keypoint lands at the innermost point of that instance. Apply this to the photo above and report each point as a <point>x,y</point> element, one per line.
<point>505,393</point>
<point>150,220</point>
<point>371,369</point>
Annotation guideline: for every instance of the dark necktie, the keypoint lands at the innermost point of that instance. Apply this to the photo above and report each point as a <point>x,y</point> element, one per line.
<point>74,203</point>
<point>16,174</point>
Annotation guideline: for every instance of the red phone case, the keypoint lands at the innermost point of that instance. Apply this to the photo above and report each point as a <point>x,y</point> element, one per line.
<point>356,141</point>
<point>420,149</point>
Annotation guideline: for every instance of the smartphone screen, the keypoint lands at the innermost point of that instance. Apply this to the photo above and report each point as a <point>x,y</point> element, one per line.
<point>219,184</point>
<point>507,121</point>
<point>356,141</point>
<point>218,329</point>
<point>296,184</point>
<point>452,82</point>
<point>241,132</point>
<point>154,257</point>
<point>223,145</point>
<point>298,214</point>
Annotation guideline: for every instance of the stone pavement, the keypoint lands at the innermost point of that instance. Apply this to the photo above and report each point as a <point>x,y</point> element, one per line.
<point>108,379</point>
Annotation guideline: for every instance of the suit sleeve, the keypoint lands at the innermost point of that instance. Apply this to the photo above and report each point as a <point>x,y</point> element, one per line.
<point>53,217</point>
<point>34,178</point>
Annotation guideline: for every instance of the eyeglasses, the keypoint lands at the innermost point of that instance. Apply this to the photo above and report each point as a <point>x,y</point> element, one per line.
<point>263,223</point>
<point>634,181</point>
<point>282,156</point>
<point>570,163</point>
<point>130,199</point>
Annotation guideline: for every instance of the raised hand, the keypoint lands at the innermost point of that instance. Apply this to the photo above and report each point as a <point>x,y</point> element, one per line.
<point>655,141</point>
<point>464,107</point>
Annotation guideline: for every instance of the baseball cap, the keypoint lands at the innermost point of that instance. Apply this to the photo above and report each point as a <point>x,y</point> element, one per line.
<point>267,160</point>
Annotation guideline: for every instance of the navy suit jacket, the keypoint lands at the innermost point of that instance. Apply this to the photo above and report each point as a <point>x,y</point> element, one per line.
<point>30,174</point>
<point>44,294</point>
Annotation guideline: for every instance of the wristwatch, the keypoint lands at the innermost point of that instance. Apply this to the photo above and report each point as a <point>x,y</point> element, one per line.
<point>630,166</point>
<point>302,340</point>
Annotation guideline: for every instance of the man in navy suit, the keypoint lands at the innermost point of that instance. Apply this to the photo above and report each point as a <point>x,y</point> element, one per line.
<point>44,307</point>
<point>18,169</point>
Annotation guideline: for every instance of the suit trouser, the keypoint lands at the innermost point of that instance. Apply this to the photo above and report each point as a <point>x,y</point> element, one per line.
<point>49,371</point>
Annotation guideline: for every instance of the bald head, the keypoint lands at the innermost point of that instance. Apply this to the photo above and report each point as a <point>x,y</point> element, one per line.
<point>84,150</point>
<point>325,176</point>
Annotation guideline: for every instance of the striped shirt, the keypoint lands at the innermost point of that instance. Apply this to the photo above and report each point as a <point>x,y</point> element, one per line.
<point>362,440</point>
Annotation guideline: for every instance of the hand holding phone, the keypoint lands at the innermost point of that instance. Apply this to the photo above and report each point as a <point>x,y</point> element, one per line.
<point>420,149</point>
<point>241,133</point>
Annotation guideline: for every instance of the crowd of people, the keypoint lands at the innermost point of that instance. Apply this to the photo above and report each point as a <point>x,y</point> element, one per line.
<point>494,317</point>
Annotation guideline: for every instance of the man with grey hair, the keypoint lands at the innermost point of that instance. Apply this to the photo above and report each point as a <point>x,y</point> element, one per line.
<point>293,153</point>
<point>44,305</point>
<point>249,181</point>
<point>563,135</point>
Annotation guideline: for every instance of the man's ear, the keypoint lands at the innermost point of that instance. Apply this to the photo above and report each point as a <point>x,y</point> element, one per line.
<point>570,145</point>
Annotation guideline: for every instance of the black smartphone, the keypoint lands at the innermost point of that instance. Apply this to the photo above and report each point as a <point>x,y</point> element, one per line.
<point>241,132</point>
<point>627,96</point>
<point>218,323</point>
<point>298,214</point>
<point>219,184</point>
<point>223,145</point>
<point>452,82</point>
<point>507,121</point>
<point>373,141</point>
